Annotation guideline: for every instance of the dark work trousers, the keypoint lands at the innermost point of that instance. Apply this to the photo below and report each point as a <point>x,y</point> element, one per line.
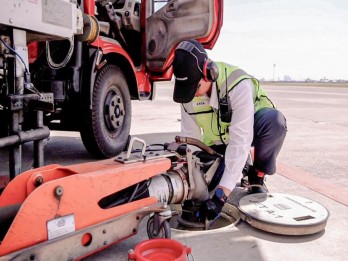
<point>269,133</point>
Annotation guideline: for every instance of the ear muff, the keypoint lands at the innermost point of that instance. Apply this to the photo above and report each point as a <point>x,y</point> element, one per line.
<point>210,71</point>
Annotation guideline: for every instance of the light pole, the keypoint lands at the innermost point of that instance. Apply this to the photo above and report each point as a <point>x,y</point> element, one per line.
<point>274,65</point>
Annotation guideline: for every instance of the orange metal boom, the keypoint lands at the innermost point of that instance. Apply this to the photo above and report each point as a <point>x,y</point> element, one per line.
<point>55,191</point>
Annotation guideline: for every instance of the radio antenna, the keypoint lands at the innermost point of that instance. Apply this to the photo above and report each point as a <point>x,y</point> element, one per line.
<point>226,82</point>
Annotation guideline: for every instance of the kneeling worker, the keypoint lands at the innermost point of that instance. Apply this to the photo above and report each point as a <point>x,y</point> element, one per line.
<point>226,109</point>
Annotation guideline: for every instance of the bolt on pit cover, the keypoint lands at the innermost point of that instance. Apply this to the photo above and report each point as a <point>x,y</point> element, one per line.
<point>283,213</point>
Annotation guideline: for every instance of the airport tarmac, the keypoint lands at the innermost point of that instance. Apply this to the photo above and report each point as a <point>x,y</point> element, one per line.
<point>313,164</point>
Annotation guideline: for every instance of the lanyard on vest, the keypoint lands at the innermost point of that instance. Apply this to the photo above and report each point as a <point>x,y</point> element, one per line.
<point>195,113</point>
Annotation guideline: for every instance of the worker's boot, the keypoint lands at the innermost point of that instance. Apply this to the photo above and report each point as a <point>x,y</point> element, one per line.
<point>256,181</point>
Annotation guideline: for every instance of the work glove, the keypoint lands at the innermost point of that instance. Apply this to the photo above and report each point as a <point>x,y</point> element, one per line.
<point>211,208</point>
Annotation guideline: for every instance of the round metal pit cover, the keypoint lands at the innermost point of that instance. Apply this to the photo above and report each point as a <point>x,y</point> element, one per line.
<point>283,214</point>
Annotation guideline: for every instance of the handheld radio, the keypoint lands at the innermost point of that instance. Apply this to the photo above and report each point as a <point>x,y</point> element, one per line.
<point>225,105</point>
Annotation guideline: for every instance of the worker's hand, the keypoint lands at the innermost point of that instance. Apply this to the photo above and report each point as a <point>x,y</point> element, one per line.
<point>211,209</point>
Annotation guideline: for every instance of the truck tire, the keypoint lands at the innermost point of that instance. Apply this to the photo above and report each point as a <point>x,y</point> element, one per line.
<point>106,125</point>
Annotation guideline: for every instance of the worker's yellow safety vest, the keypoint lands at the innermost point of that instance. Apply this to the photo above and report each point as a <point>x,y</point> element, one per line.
<point>215,130</point>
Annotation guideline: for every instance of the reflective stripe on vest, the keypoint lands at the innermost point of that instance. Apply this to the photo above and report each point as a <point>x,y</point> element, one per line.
<point>232,78</point>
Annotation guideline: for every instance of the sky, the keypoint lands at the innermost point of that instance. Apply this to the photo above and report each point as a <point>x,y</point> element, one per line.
<point>298,38</point>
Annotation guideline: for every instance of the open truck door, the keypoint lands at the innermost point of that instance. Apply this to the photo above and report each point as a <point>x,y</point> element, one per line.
<point>175,21</point>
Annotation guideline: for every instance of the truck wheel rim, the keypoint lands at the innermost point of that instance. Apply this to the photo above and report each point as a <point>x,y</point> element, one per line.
<point>113,110</point>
